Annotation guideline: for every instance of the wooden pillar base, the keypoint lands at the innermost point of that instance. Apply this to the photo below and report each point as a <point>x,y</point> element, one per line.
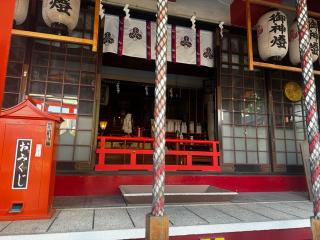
<point>315,227</point>
<point>157,228</point>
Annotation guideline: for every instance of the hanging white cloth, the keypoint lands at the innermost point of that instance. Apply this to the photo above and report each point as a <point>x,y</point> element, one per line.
<point>206,48</point>
<point>127,124</point>
<point>186,49</point>
<point>111,34</point>
<point>135,38</point>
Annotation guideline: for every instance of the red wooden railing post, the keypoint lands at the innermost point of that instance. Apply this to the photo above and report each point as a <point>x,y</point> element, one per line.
<point>133,165</point>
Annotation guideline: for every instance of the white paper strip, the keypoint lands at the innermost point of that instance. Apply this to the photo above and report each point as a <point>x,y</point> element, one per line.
<point>186,45</point>
<point>153,41</point>
<point>111,33</point>
<point>206,48</point>
<point>135,38</point>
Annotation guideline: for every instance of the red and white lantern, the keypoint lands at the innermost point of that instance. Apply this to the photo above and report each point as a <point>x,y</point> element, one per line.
<point>21,11</point>
<point>294,53</point>
<point>61,15</point>
<point>272,33</point>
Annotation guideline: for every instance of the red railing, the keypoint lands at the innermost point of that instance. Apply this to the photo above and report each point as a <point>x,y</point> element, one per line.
<point>135,153</point>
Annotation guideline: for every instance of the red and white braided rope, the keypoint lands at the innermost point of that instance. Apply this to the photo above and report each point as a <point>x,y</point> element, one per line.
<point>160,110</point>
<point>310,102</point>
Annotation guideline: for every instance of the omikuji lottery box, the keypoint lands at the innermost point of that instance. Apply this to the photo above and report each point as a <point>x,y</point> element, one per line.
<point>27,162</point>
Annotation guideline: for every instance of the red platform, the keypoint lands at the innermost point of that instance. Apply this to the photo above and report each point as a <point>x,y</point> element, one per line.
<point>76,185</point>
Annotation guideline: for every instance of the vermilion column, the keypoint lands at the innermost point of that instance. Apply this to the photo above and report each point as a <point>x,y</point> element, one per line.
<point>6,20</point>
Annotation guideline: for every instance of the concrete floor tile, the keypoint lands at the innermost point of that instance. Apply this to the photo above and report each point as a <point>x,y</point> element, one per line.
<point>27,227</point>
<point>212,215</point>
<point>181,216</point>
<point>240,213</point>
<point>284,207</point>
<point>138,215</point>
<point>116,218</point>
<point>73,221</point>
<point>4,224</point>
<point>305,205</point>
<point>268,212</point>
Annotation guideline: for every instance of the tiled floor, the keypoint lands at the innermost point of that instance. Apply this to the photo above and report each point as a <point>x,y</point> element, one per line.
<point>88,214</point>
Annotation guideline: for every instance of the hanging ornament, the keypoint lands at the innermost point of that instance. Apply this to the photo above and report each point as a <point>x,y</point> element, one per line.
<point>61,16</point>
<point>146,90</point>
<point>127,11</point>
<point>21,11</point>
<point>118,87</point>
<point>101,12</point>
<point>294,53</point>
<point>193,21</point>
<point>221,29</point>
<point>272,33</point>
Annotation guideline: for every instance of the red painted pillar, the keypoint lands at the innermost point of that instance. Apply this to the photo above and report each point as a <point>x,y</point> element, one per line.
<point>6,20</point>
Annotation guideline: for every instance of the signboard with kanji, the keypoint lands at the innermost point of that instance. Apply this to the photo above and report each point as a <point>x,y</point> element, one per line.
<point>21,164</point>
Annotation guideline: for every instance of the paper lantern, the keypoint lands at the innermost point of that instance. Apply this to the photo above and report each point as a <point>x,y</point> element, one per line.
<point>21,11</point>
<point>272,33</point>
<point>61,15</point>
<point>294,52</point>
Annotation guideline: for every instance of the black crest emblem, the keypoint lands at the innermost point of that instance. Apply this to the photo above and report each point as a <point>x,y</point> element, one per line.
<point>185,42</point>
<point>108,38</point>
<point>135,34</point>
<point>208,53</point>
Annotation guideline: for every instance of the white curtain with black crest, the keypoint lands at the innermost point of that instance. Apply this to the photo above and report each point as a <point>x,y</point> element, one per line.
<point>186,49</point>
<point>135,38</point>
<point>111,34</point>
<point>206,48</point>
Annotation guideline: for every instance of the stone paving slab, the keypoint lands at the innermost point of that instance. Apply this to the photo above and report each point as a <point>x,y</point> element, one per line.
<point>138,215</point>
<point>241,213</point>
<point>4,224</point>
<point>181,216</point>
<point>73,221</point>
<point>97,215</point>
<point>285,208</point>
<point>109,219</point>
<point>212,215</point>
<point>27,227</point>
<point>268,212</point>
<point>307,206</point>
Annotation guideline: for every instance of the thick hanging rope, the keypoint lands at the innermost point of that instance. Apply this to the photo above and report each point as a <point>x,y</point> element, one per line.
<point>160,110</point>
<point>310,102</point>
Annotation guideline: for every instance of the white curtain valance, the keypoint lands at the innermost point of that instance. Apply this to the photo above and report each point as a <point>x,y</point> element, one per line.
<point>137,38</point>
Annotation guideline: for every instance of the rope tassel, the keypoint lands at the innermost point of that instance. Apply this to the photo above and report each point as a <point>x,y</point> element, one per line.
<point>310,102</point>
<point>160,110</point>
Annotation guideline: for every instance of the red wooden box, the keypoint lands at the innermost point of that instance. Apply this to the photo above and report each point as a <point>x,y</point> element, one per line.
<point>27,163</point>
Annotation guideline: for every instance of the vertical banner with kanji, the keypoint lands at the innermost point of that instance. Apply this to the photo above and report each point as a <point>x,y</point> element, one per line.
<point>21,164</point>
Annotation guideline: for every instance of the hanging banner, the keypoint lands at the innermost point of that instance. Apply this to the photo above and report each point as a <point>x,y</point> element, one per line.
<point>111,34</point>
<point>186,45</point>
<point>206,48</point>
<point>135,38</point>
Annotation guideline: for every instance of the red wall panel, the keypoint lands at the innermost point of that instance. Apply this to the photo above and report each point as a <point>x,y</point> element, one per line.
<point>75,185</point>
